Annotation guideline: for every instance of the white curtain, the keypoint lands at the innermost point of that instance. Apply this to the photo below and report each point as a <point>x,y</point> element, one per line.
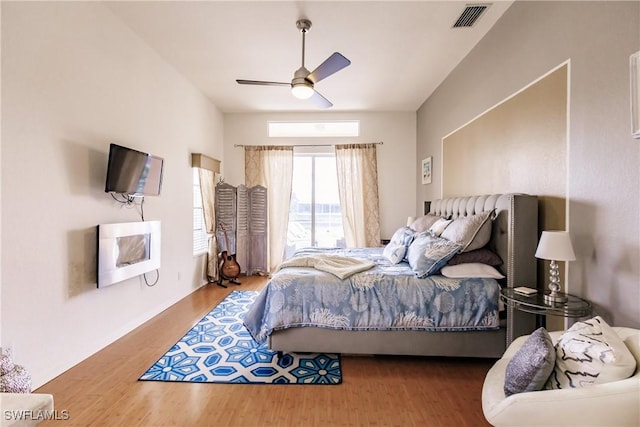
<point>357,169</point>
<point>208,189</point>
<point>272,167</point>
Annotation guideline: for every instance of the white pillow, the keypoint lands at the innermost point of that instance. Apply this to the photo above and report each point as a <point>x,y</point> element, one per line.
<point>424,222</point>
<point>471,269</point>
<point>590,352</point>
<point>438,227</point>
<point>472,232</point>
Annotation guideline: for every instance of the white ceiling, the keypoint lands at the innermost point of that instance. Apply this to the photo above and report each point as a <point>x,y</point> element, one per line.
<point>400,51</point>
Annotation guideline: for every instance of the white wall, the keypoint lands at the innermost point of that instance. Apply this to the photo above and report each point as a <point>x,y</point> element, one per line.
<point>1,341</point>
<point>530,39</point>
<point>396,156</point>
<point>74,79</point>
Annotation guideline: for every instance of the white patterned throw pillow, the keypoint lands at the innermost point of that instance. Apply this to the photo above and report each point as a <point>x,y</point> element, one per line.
<point>472,232</point>
<point>590,352</point>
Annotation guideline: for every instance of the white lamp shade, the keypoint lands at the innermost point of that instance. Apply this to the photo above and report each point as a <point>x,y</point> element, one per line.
<point>302,90</point>
<point>410,220</point>
<point>556,246</point>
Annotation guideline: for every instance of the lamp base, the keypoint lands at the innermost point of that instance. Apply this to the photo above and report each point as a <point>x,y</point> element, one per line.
<point>555,298</point>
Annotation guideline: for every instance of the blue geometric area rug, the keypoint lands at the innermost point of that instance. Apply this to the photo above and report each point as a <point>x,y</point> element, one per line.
<point>219,349</point>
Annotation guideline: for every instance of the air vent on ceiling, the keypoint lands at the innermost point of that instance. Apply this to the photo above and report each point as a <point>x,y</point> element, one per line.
<point>470,15</point>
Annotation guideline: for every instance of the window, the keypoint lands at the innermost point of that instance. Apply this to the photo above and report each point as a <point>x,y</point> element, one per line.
<point>200,236</point>
<point>315,217</point>
<point>343,128</point>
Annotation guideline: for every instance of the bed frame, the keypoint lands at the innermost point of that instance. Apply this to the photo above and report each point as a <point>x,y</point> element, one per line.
<point>514,237</point>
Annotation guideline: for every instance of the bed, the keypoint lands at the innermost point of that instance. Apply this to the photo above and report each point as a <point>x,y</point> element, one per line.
<point>292,312</point>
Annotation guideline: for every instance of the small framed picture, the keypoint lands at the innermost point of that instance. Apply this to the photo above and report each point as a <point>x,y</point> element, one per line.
<point>635,94</point>
<point>426,170</point>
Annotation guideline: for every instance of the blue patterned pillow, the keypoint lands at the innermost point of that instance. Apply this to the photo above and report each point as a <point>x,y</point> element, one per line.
<point>531,366</point>
<point>394,252</point>
<point>427,254</point>
<point>403,236</point>
<point>396,249</point>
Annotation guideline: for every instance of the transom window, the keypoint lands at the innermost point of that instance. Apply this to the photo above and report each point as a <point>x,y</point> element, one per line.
<point>343,128</point>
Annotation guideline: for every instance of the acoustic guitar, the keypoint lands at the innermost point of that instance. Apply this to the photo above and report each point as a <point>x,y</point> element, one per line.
<point>229,267</point>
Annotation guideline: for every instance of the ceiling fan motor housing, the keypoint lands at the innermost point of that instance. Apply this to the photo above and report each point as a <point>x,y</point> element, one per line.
<point>303,82</point>
<point>300,76</point>
<point>303,24</point>
<point>301,86</point>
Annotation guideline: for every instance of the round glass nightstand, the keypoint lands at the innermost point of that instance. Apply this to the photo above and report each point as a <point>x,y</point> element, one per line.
<point>574,306</point>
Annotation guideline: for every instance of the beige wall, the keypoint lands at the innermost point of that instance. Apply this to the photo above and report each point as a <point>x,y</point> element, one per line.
<point>70,86</point>
<point>518,145</point>
<point>603,176</point>
<point>396,156</point>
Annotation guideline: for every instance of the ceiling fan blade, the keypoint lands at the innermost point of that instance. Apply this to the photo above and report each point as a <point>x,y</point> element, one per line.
<point>331,65</point>
<point>261,83</point>
<point>320,101</point>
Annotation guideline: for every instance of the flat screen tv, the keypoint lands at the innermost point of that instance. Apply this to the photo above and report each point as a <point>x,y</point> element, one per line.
<point>133,172</point>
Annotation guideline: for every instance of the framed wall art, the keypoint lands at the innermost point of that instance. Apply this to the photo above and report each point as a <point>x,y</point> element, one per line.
<point>427,170</point>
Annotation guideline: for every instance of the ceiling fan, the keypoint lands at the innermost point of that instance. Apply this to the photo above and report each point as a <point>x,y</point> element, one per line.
<point>302,84</point>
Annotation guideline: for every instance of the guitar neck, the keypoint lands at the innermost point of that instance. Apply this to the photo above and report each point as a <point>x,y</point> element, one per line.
<point>226,240</point>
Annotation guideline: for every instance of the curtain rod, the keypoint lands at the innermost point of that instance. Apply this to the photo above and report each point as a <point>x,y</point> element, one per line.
<point>308,145</point>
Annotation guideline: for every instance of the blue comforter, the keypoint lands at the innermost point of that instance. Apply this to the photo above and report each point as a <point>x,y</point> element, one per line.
<point>387,296</point>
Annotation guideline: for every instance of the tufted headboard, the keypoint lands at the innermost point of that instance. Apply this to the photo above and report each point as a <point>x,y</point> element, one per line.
<point>514,237</point>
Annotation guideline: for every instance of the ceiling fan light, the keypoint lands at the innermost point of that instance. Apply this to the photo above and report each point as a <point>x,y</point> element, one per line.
<point>302,90</point>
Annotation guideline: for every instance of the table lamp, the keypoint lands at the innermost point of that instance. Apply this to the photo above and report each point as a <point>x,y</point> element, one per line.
<point>555,246</point>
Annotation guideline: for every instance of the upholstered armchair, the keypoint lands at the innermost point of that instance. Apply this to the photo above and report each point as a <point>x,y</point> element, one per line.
<point>610,404</point>
<point>25,409</point>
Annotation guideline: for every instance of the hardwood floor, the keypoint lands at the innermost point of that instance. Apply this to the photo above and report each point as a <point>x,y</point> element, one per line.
<point>103,390</point>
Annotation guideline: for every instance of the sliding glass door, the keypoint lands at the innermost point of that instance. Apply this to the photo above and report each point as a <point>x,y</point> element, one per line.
<point>314,215</point>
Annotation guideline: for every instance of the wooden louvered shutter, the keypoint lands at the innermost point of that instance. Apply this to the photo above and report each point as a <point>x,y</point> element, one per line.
<point>226,216</point>
<point>243,247</point>
<point>243,211</point>
<point>258,262</point>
